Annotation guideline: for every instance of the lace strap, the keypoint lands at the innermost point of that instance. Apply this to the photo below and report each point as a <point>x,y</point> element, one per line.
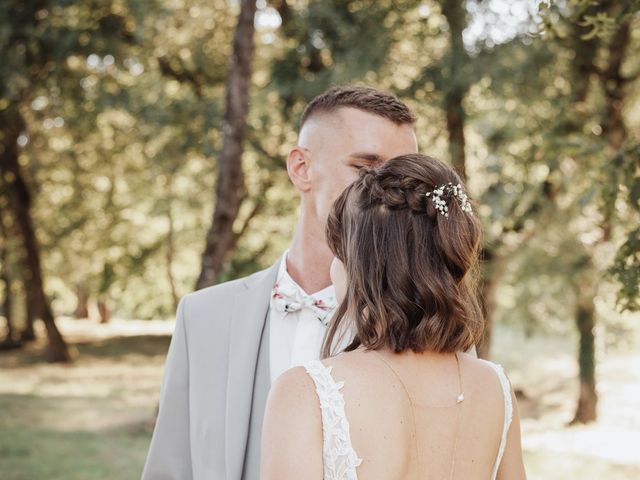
<point>508,414</point>
<point>339,457</point>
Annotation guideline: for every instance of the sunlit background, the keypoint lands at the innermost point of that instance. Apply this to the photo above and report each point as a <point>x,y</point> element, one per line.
<point>111,153</point>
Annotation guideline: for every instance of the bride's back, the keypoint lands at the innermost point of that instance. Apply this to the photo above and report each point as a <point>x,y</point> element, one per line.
<point>377,391</point>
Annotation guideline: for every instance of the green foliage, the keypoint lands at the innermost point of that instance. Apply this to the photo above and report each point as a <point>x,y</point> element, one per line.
<point>123,101</point>
<point>326,43</point>
<point>599,18</point>
<point>625,189</point>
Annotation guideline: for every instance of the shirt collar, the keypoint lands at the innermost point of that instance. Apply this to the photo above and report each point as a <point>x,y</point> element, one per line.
<point>283,276</point>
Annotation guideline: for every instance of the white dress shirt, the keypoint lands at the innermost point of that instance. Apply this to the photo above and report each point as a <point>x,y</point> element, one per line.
<point>295,337</point>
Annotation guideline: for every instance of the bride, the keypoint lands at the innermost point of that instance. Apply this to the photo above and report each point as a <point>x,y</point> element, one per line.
<point>402,401</point>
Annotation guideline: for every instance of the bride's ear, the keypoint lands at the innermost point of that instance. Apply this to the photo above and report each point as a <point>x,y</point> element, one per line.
<point>298,165</point>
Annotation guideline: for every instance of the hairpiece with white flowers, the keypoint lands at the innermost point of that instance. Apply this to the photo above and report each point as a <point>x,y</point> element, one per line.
<point>439,195</point>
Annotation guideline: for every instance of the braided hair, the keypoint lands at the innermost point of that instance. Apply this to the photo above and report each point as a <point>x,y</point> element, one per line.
<point>411,271</point>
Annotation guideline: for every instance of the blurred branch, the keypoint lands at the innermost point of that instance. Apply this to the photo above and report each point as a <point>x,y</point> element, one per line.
<point>182,75</point>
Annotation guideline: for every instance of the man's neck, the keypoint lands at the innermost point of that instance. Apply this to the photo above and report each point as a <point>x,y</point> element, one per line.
<point>309,259</point>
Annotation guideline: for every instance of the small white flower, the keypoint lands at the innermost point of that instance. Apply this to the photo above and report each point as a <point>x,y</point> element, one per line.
<point>441,204</point>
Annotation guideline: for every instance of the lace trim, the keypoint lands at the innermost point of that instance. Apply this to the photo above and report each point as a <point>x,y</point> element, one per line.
<point>339,458</point>
<point>508,414</point>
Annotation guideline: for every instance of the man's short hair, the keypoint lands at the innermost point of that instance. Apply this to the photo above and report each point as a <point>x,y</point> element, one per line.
<point>367,99</point>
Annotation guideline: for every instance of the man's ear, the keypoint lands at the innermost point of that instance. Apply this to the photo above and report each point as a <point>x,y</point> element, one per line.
<point>298,168</point>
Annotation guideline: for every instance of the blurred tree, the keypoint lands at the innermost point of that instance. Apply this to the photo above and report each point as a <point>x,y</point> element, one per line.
<point>602,35</point>
<point>456,82</point>
<point>612,44</point>
<point>551,128</point>
<point>106,132</point>
<point>20,203</point>
<point>34,58</point>
<point>459,69</point>
<point>10,340</point>
<point>230,185</point>
<point>336,42</point>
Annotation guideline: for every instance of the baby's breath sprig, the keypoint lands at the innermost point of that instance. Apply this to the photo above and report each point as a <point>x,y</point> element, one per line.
<point>440,203</point>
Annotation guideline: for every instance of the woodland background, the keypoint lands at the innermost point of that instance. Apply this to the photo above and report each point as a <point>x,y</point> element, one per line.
<point>142,150</point>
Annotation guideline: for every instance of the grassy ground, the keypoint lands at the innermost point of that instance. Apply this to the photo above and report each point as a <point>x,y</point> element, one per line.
<point>546,371</point>
<point>92,420</point>
<point>88,421</point>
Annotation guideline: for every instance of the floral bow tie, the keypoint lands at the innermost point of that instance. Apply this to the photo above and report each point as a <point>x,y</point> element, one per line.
<point>289,298</point>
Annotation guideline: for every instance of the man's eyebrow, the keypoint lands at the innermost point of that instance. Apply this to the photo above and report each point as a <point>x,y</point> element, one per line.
<point>369,157</point>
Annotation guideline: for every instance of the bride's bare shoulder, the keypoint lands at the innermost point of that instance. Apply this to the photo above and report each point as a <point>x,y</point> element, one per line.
<point>292,388</point>
<point>292,429</point>
<point>481,372</point>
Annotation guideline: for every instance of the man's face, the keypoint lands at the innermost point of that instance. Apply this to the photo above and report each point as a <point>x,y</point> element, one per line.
<point>340,143</point>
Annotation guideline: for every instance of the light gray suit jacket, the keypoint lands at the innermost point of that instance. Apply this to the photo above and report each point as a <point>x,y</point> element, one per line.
<point>215,384</point>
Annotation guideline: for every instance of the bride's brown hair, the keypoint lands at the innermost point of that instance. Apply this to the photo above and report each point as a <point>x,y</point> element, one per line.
<point>412,273</point>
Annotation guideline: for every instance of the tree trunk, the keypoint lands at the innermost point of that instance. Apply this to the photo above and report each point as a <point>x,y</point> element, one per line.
<point>28,333</point>
<point>488,291</point>
<point>82,305</point>
<point>457,84</point>
<point>493,266</point>
<point>20,202</point>
<point>104,308</point>
<point>230,183</point>
<point>455,127</point>
<point>613,84</point>
<point>171,249</point>
<point>6,299</point>
<point>585,321</point>
<point>5,278</point>
<point>455,89</point>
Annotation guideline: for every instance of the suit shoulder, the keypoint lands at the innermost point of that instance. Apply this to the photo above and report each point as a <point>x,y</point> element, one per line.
<point>217,300</point>
<point>222,290</point>
<point>216,292</point>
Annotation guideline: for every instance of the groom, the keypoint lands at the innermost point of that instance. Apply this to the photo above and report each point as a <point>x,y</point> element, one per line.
<point>232,340</point>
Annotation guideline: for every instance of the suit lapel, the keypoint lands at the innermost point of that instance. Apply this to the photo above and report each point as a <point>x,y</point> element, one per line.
<point>247,324</point>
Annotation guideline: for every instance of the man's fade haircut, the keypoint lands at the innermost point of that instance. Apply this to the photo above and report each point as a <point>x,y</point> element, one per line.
<point>362,98</point>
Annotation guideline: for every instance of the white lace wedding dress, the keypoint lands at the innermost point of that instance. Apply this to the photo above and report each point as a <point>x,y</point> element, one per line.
<point>340,459</point>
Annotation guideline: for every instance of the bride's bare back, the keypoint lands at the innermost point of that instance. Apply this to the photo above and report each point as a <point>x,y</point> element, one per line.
<point>381,419</point>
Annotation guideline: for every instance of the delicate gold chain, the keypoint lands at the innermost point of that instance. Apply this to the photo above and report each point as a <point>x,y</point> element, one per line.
<point>413,413</point>
<point>459,400</point>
